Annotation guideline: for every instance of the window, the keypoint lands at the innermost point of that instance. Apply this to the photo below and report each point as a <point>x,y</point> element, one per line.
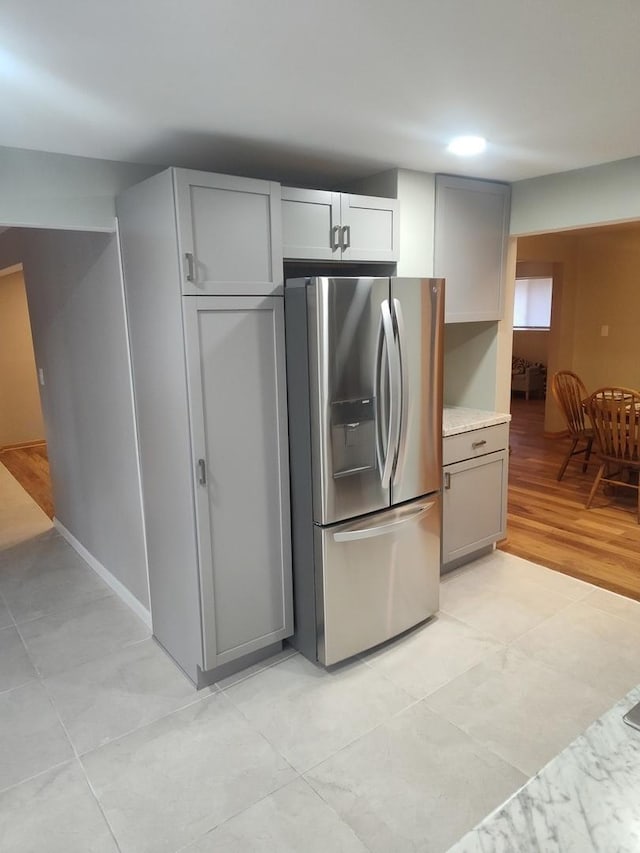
<point>532,304</point>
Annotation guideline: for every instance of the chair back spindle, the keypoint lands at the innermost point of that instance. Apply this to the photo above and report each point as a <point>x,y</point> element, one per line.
<point>569,393</point>
<point>615,415</point>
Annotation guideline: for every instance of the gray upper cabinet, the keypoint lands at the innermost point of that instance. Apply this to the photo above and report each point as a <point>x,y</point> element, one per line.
<point>311,224</point>
<point>229,232</point>
<point>322,225</point>
<point>470,242</point>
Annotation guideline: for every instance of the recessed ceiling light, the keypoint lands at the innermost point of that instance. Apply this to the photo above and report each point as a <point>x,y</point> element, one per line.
<point>467,146</point>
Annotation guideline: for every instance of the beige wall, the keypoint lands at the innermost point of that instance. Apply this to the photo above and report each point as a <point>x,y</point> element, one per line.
<point>532,344</point>
<point>20,412</point>
<point>596,283</point>
<point>609,295</point>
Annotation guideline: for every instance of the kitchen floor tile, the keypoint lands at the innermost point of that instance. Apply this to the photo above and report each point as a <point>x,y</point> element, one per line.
<point>42,547</point>
<point>308,713</point>
<point>522,710</point>
<point>31,737</point>
<point>55,812</point>
<point>424,659</point>
<point>168,783</point>
<point>72,637</point>
<point>416,783</point>
<point>237,677</point>
<point>616,605</point>
<point>589,644</point>
<point>21,523</point>
<point>507,570</point>
<point>503,609</point>
<point>120,692</point>
<point>55,579</point>
<point>15,667</point>
<point>292,820</point>
<point>5,616</point>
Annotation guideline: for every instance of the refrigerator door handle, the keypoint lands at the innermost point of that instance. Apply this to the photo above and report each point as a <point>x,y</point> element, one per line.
<point>393,361</point>
<point>382,529</point>
<point>404,392</point>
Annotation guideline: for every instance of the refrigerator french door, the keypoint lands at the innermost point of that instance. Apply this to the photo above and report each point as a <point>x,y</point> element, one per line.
<point>364,377</point>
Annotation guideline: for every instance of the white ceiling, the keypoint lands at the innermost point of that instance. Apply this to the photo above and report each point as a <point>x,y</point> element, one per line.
<point>324,90</point>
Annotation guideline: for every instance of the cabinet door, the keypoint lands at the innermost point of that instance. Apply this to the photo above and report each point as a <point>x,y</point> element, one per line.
<point>474,509</point>
<point>311,224</point>
<point>230,234</point>
<point>470,242</point>
<point>370,228</point>
<point>237,394</point>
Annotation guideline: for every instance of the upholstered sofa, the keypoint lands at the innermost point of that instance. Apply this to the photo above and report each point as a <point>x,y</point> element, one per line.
<point>528,377</point>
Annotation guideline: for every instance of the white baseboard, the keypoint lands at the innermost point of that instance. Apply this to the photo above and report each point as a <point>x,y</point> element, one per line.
<point>111,580</point>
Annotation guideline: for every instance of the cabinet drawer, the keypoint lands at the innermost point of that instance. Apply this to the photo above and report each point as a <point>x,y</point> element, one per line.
<point>477,442</point>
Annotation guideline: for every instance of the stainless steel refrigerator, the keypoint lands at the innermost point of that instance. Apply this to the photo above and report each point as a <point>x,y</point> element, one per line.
<point>364,385</point>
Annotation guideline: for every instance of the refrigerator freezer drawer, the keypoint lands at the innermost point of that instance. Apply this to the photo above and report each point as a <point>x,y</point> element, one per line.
<point>379,576</point>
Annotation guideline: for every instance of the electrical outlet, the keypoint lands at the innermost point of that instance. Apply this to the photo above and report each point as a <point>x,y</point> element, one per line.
<point>41,375</point>
<point>604,331</point>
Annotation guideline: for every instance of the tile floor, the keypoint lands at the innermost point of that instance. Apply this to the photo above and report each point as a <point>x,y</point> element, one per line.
<point>105,746</point>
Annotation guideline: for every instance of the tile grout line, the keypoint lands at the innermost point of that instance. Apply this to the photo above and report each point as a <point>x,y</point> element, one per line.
<point>336,813</point>
<point>132,731</point>
<point>352,741</point>
<point>297,776</point>
<point>85,776</point>
<point>75,758</point>
<point>53,767</point>
<point>484,746</point>
<point>257,671</point>
<point>66,610</point>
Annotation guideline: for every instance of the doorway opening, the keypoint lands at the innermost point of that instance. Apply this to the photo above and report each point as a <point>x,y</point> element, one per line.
<point>593,333</point>
<point>23,448</point>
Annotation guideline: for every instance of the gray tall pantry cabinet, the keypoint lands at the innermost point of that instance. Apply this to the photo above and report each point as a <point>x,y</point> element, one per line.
<point>202,258</point>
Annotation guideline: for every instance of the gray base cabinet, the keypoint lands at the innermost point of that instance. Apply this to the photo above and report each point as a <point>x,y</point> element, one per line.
<point>210,397</point>
<point>474,498</point>
<point>329,226</point>
<point>470,244</point>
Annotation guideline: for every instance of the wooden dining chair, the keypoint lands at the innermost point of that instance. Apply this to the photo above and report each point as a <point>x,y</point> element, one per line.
<point>615,415</point>
<point>569,393</point>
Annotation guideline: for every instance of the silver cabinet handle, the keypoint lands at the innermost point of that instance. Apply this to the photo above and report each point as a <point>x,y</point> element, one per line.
<point>346,236</point>
<point>334,238</point>
<point>191,273</point>
<point>202,472</point>
<point>404,392</point>
<point>447,480</point>
<point>476,444</point>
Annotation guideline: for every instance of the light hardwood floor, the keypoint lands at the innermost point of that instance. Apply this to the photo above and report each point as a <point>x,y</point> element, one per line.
<point>30,466</point>
<point>547,520</point>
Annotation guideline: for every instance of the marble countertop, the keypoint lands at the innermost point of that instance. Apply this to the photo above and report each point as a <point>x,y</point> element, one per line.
<point>586,800</point>
<point>457,419</point>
